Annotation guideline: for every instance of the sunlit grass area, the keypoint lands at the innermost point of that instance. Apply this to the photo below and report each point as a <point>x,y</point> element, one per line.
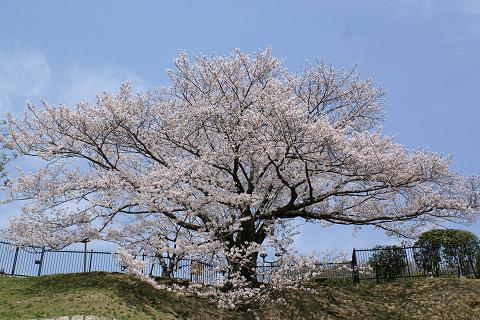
<point>109,295</point>
<point>121,297</point>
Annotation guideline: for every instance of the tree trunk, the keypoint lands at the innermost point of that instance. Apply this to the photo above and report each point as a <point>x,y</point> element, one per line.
<point>166,273</point>
<point>248,234</point>
<point>248,271</point>
<point>168,264</point>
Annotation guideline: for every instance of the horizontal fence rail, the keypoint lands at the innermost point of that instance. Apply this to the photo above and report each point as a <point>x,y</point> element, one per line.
<point>378,264</point>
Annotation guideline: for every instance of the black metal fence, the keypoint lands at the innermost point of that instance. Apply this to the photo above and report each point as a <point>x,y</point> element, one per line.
<point>378,264</point>
<point>37,261</point>
<point>393,262</point>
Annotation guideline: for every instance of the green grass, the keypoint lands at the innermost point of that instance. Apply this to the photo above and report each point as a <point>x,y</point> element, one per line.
<point>101,294</point>
<point>121,297</point>
<point>60,295</point>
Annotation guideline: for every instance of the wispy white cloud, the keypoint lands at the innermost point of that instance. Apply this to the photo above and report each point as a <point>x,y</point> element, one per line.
<point>27,75</point>
<point>455,23</point>
<point>86,84</point>
<point>429,8</point>
<point>471,7</point>
<point>22,74</point>
<point>422,8</point>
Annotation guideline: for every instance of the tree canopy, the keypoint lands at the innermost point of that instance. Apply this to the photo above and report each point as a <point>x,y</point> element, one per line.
<point>457,249</point>
<point>221,160</point>
<point>446,237</point>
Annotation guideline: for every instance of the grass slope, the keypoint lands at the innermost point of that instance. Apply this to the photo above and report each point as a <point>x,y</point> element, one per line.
<point>118,296</point>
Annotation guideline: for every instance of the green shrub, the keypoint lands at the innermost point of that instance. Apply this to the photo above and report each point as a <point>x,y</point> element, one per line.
<point>450,250</point>
<point>388,262</point>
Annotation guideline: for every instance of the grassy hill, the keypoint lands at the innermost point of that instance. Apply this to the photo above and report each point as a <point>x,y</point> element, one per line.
<point>121,297</point>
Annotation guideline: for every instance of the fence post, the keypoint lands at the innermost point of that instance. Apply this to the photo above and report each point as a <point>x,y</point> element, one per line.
<point>15,261</point>
<point>459,267</point>
<point>41,262</point>
<point>90,262</point>
<point>152,265</point>
<point>405,253</point>
<point>355,274</point>
<point>85,241</point>
<point>469,269</point>
<point>475,261</point>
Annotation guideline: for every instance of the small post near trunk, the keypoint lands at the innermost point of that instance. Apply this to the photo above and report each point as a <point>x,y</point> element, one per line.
<point>355,273</point>
<point>85,241</point>
<point>40,262</point>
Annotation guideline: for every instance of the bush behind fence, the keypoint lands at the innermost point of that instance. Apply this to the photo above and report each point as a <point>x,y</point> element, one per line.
<point>378,264</point>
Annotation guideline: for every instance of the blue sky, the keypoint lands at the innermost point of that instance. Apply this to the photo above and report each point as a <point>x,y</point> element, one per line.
<point>425,53</point>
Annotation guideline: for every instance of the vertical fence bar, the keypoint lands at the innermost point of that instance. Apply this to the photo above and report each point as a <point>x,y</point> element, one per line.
<point>152,266</point>
<point>15,261</point>
<point>3,257</point>
<point>85,255</point>
<point>459,270</point>
<point>355,274</point>
<point>405,252</point>
<point>471,264</point>
<point>90,262</point>
<point>40,264</point>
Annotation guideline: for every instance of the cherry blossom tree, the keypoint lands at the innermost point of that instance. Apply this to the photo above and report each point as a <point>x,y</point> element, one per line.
<point>223,159</point>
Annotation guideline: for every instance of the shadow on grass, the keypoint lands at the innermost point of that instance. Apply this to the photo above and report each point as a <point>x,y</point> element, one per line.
<point>138,295</point>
